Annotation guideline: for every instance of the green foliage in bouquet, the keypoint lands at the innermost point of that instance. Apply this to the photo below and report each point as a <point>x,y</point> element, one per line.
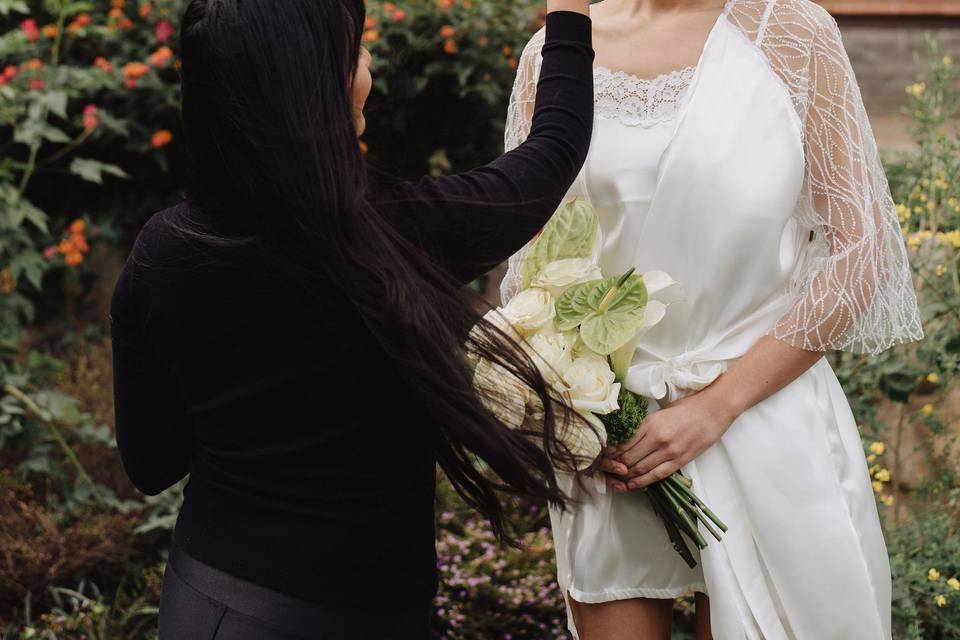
<point>571,233</point>
<point>621,425</point>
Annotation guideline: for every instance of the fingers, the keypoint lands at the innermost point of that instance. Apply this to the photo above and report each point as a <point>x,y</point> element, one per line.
<point>658,473</point>
<point>613,466</point>
<point>646,445</point>
<point>616,485</point>
<point>647,464</point>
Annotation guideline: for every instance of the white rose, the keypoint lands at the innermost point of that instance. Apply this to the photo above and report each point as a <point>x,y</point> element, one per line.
<point>530,310</point>
<point>560,275</point>
<point>591,385</point>
<point>552,353</point>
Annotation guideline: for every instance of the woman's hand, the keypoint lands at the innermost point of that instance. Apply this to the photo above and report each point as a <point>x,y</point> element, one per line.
<point>577,6</point>
<point>667,440</point>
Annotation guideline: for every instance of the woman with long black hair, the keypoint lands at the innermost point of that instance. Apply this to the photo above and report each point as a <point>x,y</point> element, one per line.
<point>296,344</point>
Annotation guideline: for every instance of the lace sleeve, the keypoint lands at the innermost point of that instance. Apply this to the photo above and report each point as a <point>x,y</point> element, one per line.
<point>855,292</point>
<point>519,116</point>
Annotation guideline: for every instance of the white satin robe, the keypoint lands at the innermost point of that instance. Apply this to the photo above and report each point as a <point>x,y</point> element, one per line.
<point>761,157</point>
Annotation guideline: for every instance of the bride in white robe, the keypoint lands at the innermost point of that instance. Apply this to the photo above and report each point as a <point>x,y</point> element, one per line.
<point>753,179</point>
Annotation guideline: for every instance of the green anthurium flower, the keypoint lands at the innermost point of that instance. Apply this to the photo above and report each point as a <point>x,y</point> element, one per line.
<point>571,233</point>
<point>609,312</point>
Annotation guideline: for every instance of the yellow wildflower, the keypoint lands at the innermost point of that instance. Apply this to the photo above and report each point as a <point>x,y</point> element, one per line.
<point>877,486</point>
<point>903,212</point>
<point>878,448</point>
<point>886,500</point>
<point>871,458</point>
<point>933,378</point>
<point>926,410</point>
<point>954,584</point>
<point>933,575</point>
<point>883,475</point>
<point>916,89</point>
<point>940,600</point>
<point>941,269</point>
<point>947,60</point>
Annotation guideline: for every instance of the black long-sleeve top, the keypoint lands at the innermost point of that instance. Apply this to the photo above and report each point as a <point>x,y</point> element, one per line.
<point>291,420</point>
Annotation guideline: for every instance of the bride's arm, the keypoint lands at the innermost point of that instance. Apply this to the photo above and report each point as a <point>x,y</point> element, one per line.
<point>856,293</point>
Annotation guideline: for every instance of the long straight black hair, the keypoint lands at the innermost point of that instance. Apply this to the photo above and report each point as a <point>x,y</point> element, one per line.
<point>270,131</point>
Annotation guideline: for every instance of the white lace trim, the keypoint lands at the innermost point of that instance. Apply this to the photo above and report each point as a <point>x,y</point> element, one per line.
<point>636,101</point>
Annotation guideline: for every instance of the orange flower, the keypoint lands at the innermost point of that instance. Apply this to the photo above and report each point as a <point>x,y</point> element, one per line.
<point>9,72</point>
<point>37,84</point>
<point>389,6</point>
<point>145,9</point>
<point>81,244</point>
<point>370,36</point>
<point>73,259</point>
<point>32,64</point>
<point>116,12</point>
<point>134,70</point>
<point>79,22</point>
<point>370,23</point>
<point>78,226</point>
<point>445,4</point>
<point>447,31</point>
<point>507,50</point>
<point>103,64</point>
<point>483,40</point>
<point>125,23</point>
<point>513,63</point>
<point>7,285</point>
<point>161,139</point>
<point>399,15</point>
<point>90,121</point>
<point>66,247</point>
<point>449,47</point>
<point>118,4</point>
<point>49,31</point>
<point>161,56</point>
<point>364,147</point>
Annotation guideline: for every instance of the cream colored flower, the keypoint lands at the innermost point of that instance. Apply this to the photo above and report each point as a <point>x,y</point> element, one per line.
<point>940,600</point>
<point>559,275</point>
<point>530,310</point>
<point>954,584</point>
<point>591,385</point>
<point>552,353</point>
<point>933,575</point>
<point>878,448</point>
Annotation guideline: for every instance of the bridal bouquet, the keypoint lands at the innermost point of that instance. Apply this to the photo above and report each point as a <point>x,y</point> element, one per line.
<point>581,330</point>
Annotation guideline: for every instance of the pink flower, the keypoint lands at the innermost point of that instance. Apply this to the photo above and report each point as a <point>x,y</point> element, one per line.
<point>163,30</point>
<point>30,30</point>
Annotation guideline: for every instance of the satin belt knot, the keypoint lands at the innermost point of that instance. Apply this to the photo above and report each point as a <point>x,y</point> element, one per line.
<point>674,378</point>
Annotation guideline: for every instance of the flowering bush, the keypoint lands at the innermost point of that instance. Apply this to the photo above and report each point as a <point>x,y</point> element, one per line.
<point>87,95</point>
<point>903,398</point>
<point>443,71</point>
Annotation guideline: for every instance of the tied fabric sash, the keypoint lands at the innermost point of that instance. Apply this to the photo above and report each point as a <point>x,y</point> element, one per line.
<point>675,377</point>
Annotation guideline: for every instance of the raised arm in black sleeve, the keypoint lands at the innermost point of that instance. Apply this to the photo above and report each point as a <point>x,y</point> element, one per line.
<point>472,221</point>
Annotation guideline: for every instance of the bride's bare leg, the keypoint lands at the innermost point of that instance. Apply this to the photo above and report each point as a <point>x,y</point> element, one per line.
<point>703,631</point>
<point>635,619</point>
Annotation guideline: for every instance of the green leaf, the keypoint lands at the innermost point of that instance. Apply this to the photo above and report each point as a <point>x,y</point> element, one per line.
<point>56,102</point>
<point>93,170</point>
<point>13,6</point>
<point>571,233</point>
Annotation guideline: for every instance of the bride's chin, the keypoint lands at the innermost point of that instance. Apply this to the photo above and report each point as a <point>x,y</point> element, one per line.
<point>361,125</point>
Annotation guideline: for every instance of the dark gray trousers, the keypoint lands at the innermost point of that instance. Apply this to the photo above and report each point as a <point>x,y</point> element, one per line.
<point>199,602</point>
